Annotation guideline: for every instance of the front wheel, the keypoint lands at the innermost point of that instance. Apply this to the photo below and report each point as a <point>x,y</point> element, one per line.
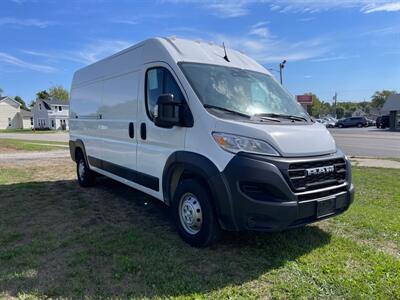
<point>359,125</point>
<point>86,177</point>
<point>340,125</point>
<point>194,214</point>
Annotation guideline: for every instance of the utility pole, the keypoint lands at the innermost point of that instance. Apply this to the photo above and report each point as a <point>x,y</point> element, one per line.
<point>335,99</point>
<point>281,66</point>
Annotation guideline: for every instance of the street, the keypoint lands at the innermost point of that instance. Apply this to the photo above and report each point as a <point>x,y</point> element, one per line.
<point>51,136</point>
<point>368,141</point>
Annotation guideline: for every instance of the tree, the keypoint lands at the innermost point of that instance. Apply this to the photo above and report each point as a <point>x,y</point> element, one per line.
<point>379,98</point>
<point>43,95</point>
<point>21,101</point>
<point>318,107</point>
<point>59,92</point>
<point>340,112</point>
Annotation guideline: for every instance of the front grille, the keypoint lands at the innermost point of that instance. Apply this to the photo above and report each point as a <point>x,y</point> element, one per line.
<point>321,194</point>
<point>301,181</point>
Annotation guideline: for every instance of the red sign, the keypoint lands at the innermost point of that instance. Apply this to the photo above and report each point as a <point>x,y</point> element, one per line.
<point>304,99</point>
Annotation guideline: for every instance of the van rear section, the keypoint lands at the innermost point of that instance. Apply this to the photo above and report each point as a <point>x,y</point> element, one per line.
<point>208,131</point>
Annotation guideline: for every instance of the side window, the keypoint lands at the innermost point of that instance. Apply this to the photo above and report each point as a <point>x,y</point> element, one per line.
<point>160,81</point>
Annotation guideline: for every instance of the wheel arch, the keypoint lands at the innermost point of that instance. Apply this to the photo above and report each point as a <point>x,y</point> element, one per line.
<point>187,164</point>
<point>75,147</point>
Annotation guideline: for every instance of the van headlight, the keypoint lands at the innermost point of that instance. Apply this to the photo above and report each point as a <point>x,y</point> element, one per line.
<point>236,143</point>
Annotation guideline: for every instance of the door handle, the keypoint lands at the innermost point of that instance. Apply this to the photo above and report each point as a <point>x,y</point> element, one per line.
<point>143,133</point>
<point>131,130</point>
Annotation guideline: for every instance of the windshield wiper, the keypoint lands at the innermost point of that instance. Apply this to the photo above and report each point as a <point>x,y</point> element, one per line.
<point>227,110</point>
<point>290,117</point>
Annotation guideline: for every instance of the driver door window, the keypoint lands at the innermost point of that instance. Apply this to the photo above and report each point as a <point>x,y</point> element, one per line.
<point>159,81</point>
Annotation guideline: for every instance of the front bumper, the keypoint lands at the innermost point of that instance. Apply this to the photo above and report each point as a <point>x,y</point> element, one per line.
<point>261,198</point>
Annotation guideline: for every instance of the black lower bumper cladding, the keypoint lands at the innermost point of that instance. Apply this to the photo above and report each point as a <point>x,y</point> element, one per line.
<point>262,198</point>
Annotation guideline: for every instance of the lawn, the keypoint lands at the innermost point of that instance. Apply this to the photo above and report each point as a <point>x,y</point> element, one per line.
<point>9,145</point>
<point>61,241</point>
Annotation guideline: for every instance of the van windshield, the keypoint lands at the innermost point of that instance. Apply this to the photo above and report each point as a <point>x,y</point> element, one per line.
<point>242,92</point>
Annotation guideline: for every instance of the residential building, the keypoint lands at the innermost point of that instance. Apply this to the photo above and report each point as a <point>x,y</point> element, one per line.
<point>392,105</point>
<point>51,114</point>
<point>12,116</point>
<point>359,113</point>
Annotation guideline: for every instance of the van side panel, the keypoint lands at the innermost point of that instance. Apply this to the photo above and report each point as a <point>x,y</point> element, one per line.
<point>119,112</point>
<point>86,101</point>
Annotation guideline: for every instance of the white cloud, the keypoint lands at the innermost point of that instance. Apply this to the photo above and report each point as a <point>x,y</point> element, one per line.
<point>259,29</point>
<point>10,60</point>
<point>99,50</point>
<point>25,22</point>
<point>274,7</point>
<point>384,31</point>
<point>332,58</point>
<point>87,54</point>
<point>388,7</point>
<point>229,9</point>
<point>125,21</point>
<point>272,50</point>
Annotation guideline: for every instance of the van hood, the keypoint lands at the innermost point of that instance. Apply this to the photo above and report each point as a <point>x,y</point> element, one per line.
<point>290,140</point>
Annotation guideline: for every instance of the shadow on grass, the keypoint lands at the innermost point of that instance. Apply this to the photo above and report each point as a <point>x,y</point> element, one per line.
<point>59,240</point>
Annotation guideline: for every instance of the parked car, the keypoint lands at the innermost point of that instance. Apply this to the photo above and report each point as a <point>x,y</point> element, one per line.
<point>382,122</point>
<point>329,122</point>
<point>321,121</point>
<point>370,122</point>
<point>352,122</point>
<point>208,132</point>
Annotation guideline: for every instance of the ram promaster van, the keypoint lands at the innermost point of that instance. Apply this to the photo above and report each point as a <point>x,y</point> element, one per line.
<point>211,133</point>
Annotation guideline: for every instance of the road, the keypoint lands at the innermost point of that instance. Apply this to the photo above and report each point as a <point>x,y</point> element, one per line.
<point>53,137</point>
<point>368,141</point>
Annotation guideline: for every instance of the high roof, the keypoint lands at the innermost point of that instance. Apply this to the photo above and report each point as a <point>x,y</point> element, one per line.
<point>169,50</point>
<point>392,103</point>
<point>208,53</point>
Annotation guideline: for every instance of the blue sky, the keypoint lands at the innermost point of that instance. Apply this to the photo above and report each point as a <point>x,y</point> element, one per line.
<point>348,46</point>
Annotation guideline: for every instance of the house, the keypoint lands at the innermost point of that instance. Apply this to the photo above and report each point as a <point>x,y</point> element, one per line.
<point>12,116</point>
<point>51,114</point>
<point>358,113</point>
<point>392,105</point>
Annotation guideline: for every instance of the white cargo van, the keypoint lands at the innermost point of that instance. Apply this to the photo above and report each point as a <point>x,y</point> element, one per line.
<point>210,133</point>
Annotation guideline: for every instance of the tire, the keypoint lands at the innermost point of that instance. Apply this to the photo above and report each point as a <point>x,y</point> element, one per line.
<point>359,125</point>
<point>340,126</point>
<point>194,214</point>
<point>86,177</point>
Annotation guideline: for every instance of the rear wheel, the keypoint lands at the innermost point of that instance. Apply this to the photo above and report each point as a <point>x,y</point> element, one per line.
<point>86,177</point>
<point>194,214</point>
<point>340,125</point>
<point>359,125</point>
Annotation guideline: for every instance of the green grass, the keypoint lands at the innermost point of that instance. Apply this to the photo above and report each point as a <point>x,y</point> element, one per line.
<point>61,241</point>
<point>28,145</point>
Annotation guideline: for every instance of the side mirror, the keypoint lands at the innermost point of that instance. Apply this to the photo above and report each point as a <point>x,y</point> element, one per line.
<point>167,112</point>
